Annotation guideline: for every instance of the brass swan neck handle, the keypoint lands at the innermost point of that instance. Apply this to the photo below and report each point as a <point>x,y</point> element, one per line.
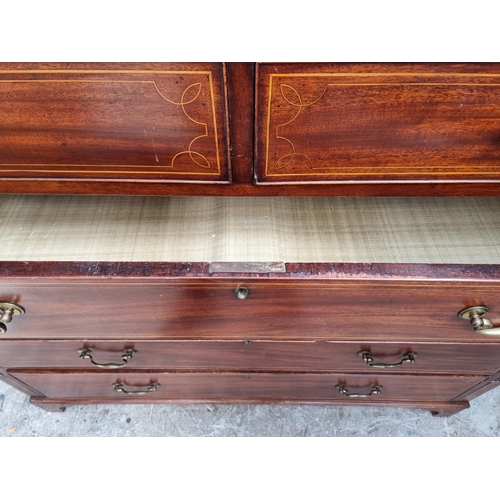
<point>7,311</point>
<point>475,315</point>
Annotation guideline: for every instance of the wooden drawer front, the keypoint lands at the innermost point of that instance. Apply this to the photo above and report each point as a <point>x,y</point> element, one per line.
<point>290,356</point>
<point>373,123</point>
<point>251,386</point>
<point>330,310</point>
<point>162,122</point>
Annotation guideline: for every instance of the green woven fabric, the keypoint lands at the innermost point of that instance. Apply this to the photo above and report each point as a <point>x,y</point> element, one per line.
<point>211,229</point>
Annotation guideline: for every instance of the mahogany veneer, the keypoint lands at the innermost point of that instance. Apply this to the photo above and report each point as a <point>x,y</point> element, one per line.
<point>132,122</point>
<point>378,123</point>
<point>291,326</point>
<point>480,358</point>
<point>252,330</point>
<point>253,386</point>
<point>277,308</point>
<point>244,129</point>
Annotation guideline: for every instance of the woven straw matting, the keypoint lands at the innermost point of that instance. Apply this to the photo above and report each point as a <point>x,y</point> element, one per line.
<point>211,229</point>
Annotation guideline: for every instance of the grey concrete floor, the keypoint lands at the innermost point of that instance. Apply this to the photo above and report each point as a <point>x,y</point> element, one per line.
<point>19,418</point>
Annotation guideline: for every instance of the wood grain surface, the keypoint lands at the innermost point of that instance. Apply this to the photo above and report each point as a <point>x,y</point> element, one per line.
<point>437,408</point>
<point>161,122</point>
<point>378,123</point>
<point>378,130</point>
<point>252,386</point>
<point>253,355</point>
<point>397,310</point>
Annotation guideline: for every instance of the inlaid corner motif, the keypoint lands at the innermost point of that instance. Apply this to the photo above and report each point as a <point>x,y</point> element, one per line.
<point>189,95</point>
<point>158,123</point>
<point>285,105</point>
<point>380,126</point>
<point>293,98</point>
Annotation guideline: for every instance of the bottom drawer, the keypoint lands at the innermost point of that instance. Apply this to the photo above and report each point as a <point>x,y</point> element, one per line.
<point>270,387</point>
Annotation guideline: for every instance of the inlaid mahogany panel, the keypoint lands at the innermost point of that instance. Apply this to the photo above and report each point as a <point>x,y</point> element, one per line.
<point>378,123</point>
<point>157,122</point>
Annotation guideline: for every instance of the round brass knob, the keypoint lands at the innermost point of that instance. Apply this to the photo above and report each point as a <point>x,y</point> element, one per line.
<point>242,293</point>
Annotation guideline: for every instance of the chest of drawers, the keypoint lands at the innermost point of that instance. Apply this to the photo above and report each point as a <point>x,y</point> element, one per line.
<point>250,297</point>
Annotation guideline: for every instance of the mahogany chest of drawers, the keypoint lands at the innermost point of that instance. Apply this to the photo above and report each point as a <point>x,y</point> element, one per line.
<point>237,273</point>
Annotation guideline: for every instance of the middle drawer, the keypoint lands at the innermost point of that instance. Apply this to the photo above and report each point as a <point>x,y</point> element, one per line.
<point>230,355</point>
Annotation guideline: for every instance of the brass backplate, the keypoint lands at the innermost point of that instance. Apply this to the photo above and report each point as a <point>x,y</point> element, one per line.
<point>247,267</point>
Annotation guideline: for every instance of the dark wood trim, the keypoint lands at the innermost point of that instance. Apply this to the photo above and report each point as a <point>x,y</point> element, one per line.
<point>438,408</point>
<point>18,384</point>
<point>448,411</point>
<point>238,188</point>
<point>486,385</point>
<point>240,85</point>
<point>37,270</point>
<point>388,67</point>
<point>477,391</point>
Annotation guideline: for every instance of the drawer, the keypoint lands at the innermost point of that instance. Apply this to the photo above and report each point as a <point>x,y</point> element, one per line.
<point>370,123</point>
<point>160,122</point>
<point>251,386</point>
<point>282,308</point>
<point>258,355</point>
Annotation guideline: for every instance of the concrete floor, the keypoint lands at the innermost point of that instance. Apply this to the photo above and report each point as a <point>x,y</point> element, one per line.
<point>19,418</point>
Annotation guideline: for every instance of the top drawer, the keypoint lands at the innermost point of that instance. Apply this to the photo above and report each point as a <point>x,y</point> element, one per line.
<point>372,123</point>
<point>135,122</point>
<point>284,308</point>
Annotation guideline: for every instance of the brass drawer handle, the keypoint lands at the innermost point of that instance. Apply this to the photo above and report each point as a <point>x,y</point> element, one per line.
<point>7,310</point>
<point>127,354</point>
<point>152,388</point>
<point>376,389</point>
<point>475,314</point>
<point>408,357</point>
